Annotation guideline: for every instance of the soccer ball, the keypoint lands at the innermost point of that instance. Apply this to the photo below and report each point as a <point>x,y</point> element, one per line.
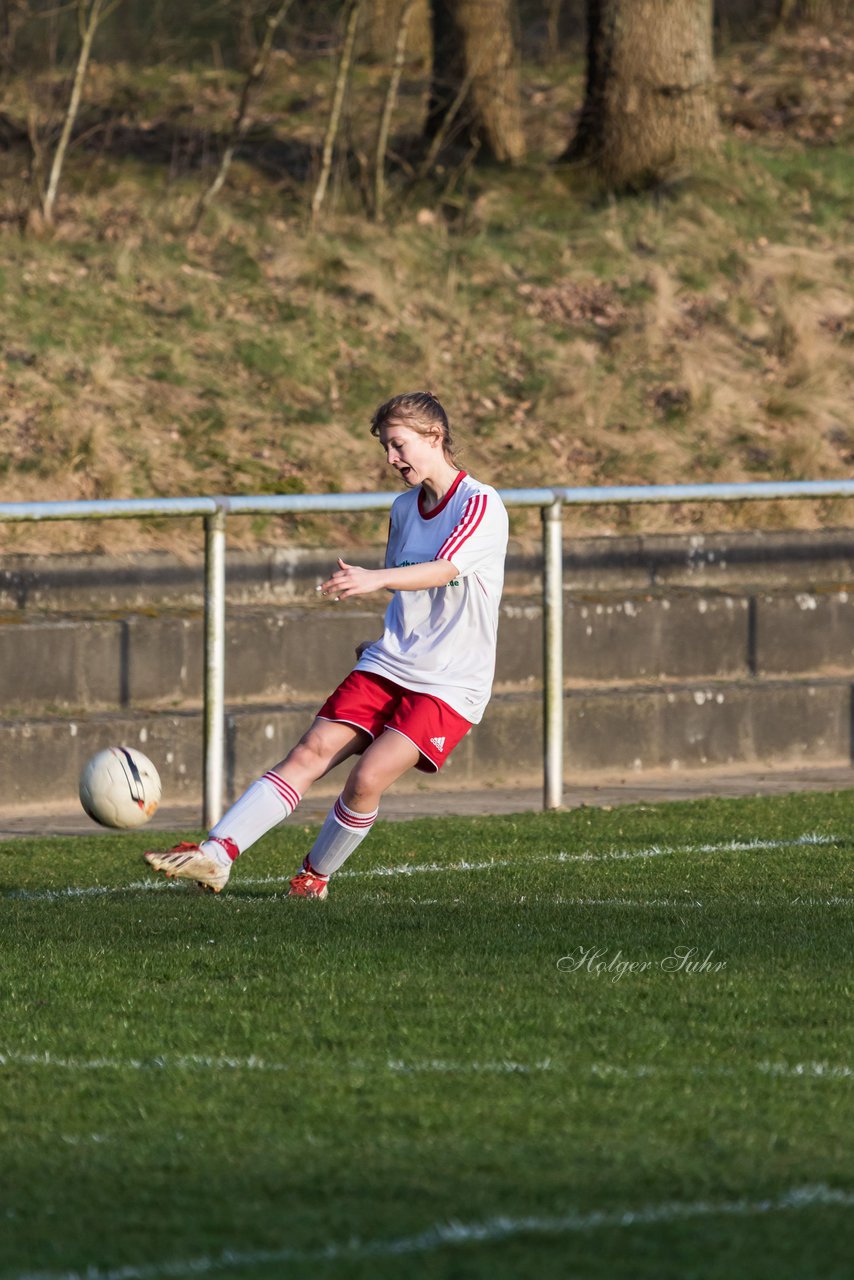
<point>120,787</point>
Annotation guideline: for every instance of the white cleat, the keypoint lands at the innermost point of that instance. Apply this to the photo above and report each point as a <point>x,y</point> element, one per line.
<point>188,862</point>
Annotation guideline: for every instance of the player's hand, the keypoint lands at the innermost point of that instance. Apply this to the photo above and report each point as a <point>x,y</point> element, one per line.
<point>350,580</point>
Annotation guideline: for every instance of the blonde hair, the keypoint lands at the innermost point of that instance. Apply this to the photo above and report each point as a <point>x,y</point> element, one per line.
<point>421,411</point>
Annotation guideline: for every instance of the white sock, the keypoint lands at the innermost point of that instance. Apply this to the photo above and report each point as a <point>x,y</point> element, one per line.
<point>263,806</point>
<point>343,831</point>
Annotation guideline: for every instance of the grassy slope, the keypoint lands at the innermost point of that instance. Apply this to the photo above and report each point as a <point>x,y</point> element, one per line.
<point>185,1074</point>
<point>703,333</point>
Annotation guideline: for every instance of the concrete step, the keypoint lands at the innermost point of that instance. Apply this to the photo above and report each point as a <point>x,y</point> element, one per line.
<point>288,654</point>
<point>633,728</point>
<point>682,652</point>
<point>729,562</point>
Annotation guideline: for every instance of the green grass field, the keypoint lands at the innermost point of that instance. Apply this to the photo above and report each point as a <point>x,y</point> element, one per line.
<point>590,1044</point>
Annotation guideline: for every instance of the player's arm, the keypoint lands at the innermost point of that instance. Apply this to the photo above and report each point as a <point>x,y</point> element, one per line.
<point>352,580</point>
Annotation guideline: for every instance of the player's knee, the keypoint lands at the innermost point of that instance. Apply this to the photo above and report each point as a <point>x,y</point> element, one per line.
<point>310,753</point>
<point>366,782</point>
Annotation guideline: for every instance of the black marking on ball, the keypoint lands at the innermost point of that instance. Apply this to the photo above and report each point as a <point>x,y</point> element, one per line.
<point>132,776</point>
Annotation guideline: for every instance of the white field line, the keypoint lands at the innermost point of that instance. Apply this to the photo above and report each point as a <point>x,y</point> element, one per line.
<point>454,1234</point>
<point>86,1139</point>
<point>807,1070</point>
<point>429,868</point>
<point>610,1071</point>
<point>558,900</point>
<point>428,1066</point>
<point>834,901</point>
<point>611,855</point>
<point>160,1062</point>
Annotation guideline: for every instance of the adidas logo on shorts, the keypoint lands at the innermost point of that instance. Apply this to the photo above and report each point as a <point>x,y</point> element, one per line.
<point>438,743</point>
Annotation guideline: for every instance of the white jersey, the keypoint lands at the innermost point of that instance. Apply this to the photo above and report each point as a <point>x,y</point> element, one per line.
<point>442,640</point>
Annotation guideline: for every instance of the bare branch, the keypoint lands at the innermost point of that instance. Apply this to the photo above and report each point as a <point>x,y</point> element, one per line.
<point>89,22</point>
<point>36,157</point>
<point>354,9</point>
<point>553,14</point>
<point>444,129</point>
<point>240,123</point>
<point>388,108</point>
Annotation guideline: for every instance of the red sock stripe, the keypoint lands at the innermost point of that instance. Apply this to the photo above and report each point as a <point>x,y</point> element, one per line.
<point>285,790</point>
<point>347,818</point>
<point>309,869</point>
<point>225,842</point>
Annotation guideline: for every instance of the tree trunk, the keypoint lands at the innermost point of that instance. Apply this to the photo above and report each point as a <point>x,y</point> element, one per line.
<point>792,12</point>
<point>382,24</point>
<point>475,76</point>
<point>649,102</point>
<point>553,15</point>
<point>13,14</point>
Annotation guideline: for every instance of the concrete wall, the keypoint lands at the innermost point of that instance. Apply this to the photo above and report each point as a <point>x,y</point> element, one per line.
<point>281,654</point>
<point>680,653</point>
<point>709,562</point>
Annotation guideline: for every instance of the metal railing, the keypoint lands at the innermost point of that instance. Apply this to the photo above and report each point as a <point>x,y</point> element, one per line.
<point>215,512</point>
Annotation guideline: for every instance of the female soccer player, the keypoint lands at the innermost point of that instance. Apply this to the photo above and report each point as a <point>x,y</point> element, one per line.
<point>415,692</point>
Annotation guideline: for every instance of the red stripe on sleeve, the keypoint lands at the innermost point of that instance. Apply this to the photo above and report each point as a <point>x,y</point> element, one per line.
<point>462,523</point>
<point>474,513</point>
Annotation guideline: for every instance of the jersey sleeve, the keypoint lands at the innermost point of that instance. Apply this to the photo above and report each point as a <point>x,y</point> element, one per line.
<point>479,537</point>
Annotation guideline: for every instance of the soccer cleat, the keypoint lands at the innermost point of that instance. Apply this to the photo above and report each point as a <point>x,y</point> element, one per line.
<point>305,884</point>
<point>188,862</point>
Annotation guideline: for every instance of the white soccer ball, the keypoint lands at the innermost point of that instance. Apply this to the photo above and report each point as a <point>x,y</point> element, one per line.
<point>120,787</point>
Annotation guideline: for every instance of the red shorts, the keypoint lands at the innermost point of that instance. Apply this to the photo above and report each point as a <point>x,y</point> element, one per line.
<point>372,703</point>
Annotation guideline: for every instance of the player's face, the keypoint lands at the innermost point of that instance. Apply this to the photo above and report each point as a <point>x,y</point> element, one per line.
<point>412,455</point>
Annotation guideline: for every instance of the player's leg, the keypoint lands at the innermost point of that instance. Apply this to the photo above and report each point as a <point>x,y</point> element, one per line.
<point>273,797</point>
<point>354,812</point>
<point>264,805</point>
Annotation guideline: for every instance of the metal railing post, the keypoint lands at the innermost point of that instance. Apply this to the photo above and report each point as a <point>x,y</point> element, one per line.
<point>214,692</point>
<point>552,656</point>
<point>216,509</point>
